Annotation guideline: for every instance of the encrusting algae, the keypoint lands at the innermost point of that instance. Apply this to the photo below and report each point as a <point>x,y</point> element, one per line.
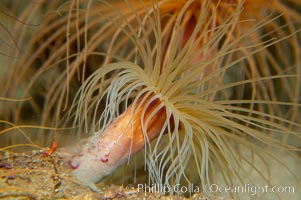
<point>204,89</point>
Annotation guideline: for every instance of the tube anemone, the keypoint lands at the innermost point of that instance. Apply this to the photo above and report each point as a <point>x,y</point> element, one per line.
<point>179,104</point>
<point>203,85</point>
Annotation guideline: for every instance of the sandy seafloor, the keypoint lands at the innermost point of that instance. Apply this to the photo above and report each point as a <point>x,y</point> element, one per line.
<point>33,175</point>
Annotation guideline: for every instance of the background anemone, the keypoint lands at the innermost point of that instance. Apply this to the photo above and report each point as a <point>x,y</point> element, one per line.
<point>65,41</point>
<point>225,72</point>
